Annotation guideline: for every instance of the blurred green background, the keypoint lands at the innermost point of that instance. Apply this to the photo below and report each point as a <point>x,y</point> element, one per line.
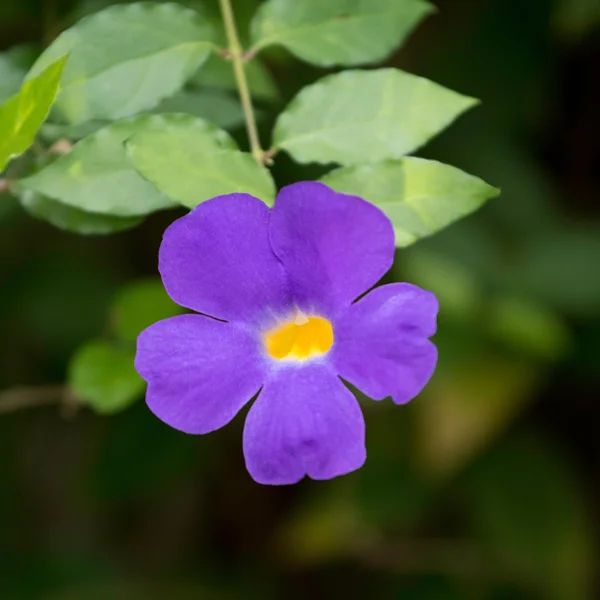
<point>485,487</point>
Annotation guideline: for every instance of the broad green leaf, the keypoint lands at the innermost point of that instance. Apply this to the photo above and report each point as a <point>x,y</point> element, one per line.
<point>103,376</point>
<point>127,58</point>
<point>215,106</point>
<point>337,32</point>
<point>529,513</point>
<point>23,114</point>
<point>419,196</point>
<point>72,219</point>
<point>218,73</point>
<point>358,117</point>
<point>97,176</point>
<point>190,166</point>
<point>138,305</point>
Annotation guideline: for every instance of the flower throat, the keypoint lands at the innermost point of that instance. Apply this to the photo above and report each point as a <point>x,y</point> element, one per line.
<point>300,339</point>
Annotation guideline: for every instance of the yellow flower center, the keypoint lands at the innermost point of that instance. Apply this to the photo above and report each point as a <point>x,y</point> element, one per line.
<point>300,339</point>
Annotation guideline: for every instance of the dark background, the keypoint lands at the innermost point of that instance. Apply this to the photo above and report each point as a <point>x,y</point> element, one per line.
<point>485,487</point>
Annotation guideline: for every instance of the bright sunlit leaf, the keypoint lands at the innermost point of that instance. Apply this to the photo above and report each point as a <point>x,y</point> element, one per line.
<point>127,58</point>
<point>192,164</point>
<point>337,32</point>
<point>358,117</point>
<point>419,196</point>
<point>22,115</point>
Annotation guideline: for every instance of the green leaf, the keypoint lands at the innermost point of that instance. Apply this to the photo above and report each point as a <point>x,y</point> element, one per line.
<point>190,165</point>
<point>419,196</point>
<point>215,106</point>
<point>97,176</point>
<point>337,32</point>
<point>103,376</point>
<point>218,73</point>
<point>127,58</point>
<point>23,114</point>
<point>138,305</point>
<point>358,117</point>
<point>72,219</point>
<point>529,512</point>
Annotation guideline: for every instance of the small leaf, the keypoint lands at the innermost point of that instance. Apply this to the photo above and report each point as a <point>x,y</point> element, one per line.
<point>218,107</point>
<point>337,32</point>
<point>125,59</point>
<point>103,376</point>
<point>23,114</point>
<point>192,166</point>
<point>72,219</point>
<point>419,196</point>
<point>218,73</point>
<point>138,305</point>
<point>358,117</point>
<point>97,176</point>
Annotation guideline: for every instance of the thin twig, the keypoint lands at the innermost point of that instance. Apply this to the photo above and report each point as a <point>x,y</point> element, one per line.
<point>268,156</point>
<point>236,56</point>
<point>36,395</point>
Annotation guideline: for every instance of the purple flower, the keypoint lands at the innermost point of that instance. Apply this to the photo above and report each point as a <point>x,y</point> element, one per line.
<point>280,287</point>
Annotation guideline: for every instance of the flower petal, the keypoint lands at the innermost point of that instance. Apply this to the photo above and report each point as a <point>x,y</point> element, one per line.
<point>305,422</point>
<point>381,344</point>
<point>333,246</point>
<point>218,260</point>
<point>200,372</point>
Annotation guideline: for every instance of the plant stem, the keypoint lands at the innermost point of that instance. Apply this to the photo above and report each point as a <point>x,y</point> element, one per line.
<point>237,58</point>
<point>37,395</point>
